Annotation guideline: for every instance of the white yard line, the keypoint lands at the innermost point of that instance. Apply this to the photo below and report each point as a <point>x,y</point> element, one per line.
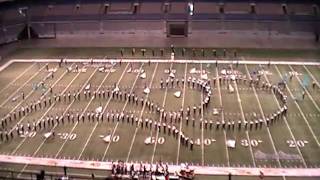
<point>53,85</point>
<point>244,119</point>
<point>309,72</point>
<point>314,62</point>
<point>21,143</point>
<point>163,104</point>
<point>104,109</point>
<point>23,100</point>
<point>222,115</point>
<point>265,122</point>
<point>117,124</point>
<point>300,110</point>
<point>182,105</point>
<point>4,66</point>
<point>287,124</point>
<point>202,143</point>
<point>306,90</point>
<point>85,109</point>
<point>18,77</point>
<point>141,113</point>
<point>39,147</point>
<point>26,82</point>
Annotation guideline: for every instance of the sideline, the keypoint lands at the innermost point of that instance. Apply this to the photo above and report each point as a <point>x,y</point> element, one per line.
<point>199,170</point>
<point>314,63</point>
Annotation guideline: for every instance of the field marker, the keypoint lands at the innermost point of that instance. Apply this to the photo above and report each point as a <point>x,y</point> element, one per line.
<point>141,113</point>
<point>306,90</point>
<point>243,118</point>
<point>104,109</point>
<point>26,82</point>
<point>222,115</point>
<point>287,124</point>
<point>264,119</point>
<point>117,124</point>
<point>13,82</point>
<point>84,85</point>
<point>183,97</point>
<point>301,112</point>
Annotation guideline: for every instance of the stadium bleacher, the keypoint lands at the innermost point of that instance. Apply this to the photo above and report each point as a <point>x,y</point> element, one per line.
<point>74,17</point>
<point>178,8</point>
<point>237,8</point>
<point>151,8</point>
<point>206,7</point>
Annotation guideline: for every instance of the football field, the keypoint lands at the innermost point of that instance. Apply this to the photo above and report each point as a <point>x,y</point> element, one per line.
<point>137,111</point>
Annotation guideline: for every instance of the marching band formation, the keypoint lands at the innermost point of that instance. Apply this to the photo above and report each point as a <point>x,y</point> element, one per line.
<point>168,118</point>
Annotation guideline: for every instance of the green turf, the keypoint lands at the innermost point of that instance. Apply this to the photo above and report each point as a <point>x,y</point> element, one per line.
<point>131,147</point>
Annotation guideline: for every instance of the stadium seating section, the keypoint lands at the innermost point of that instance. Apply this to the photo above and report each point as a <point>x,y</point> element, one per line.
<point>48,18</point>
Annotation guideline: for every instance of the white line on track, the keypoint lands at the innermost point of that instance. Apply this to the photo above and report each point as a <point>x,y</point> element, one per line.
<point>53,85</point>
<point>26,82</point>
<point>306,90</point>
<point>300,110</point>
<point>287,124</point>
<point>141,113</point>
<point>264,119</point>
<point>182,105</point>
<point>163,104</point>
<point>39,147</point>
<point>18,77</point>
<point>222,116</point>
<point>243,119</point>
<point>104,109</point>
<point>117,124</point>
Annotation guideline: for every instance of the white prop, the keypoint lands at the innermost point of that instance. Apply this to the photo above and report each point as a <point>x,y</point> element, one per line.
<point>146,90</point>
<point>116,89</point>
<point>99,110</point>
<point>177,94</point>
<point>107,139</point>
<point>101,69</point>
<point>193,71</point>
<point>231,143</point>
<point>143,75</point>
<point>172,75</point>
<point>148,141</point>
<point>87,87</point>
<point>47,135</point>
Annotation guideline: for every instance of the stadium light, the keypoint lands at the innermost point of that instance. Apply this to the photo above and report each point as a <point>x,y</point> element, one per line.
<point>190,8</point>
